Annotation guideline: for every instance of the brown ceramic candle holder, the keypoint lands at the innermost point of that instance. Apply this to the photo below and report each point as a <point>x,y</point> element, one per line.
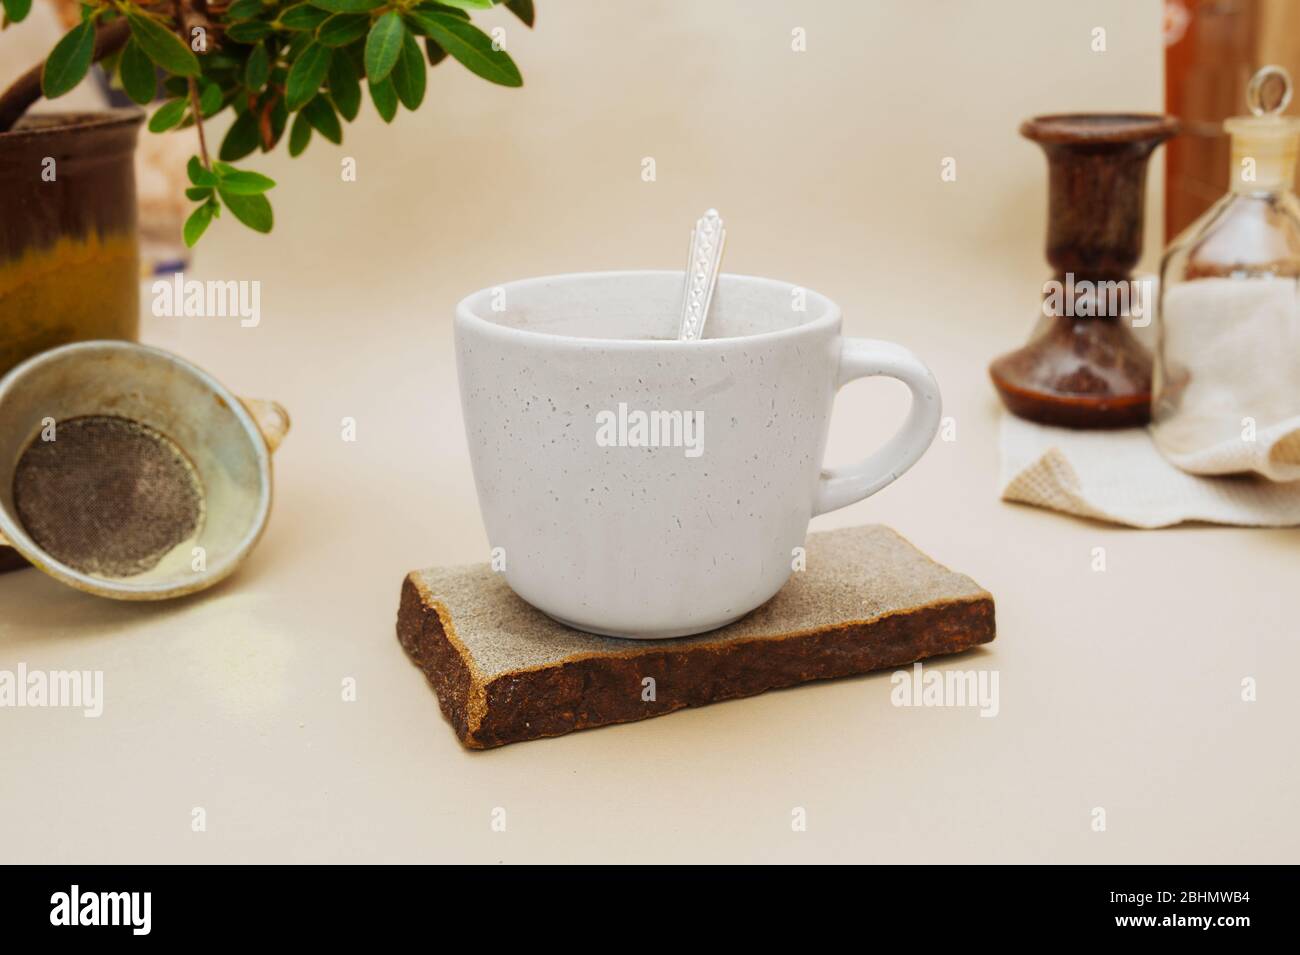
<point>1080,368</point>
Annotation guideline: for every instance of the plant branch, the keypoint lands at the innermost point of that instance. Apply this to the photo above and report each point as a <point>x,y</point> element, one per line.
<point>183,28</point>
<point>26,90</point>
<point>198,122</point>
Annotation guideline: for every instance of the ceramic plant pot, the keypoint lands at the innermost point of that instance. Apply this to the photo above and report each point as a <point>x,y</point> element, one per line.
<point>69,261</point>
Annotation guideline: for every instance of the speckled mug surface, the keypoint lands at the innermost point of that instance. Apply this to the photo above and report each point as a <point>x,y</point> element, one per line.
<point>636,486</point>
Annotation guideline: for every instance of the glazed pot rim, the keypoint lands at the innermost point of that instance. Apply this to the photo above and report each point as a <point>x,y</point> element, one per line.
<point>40,125</point>
<point>1101,127</point>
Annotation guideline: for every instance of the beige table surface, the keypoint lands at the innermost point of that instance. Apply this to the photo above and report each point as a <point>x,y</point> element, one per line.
<point>1118,690</point>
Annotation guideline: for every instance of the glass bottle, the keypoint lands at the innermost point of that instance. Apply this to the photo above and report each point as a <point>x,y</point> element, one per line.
<point>1226,383</point>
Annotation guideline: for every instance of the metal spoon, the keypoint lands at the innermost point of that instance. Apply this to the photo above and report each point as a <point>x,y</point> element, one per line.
<point>702,267</point>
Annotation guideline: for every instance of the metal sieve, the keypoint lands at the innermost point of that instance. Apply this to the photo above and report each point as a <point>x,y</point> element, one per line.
<point>128,472</point>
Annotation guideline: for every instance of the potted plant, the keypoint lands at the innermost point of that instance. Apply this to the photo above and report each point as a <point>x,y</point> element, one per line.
<point>287,70</point>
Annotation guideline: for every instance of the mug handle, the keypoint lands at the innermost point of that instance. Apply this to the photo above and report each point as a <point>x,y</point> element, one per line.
<point>865,358</point>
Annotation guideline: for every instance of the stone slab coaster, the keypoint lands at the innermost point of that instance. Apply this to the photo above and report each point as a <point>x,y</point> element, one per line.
<point>505,672</point>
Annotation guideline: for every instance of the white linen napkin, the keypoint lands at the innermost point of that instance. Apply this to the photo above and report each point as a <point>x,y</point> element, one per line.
<point>1119,476</point>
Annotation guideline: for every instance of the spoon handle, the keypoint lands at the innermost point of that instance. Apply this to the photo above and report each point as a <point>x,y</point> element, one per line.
<point>701,274</point>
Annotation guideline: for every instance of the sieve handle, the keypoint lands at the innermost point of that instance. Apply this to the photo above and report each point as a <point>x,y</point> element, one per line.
<point>271,419</point>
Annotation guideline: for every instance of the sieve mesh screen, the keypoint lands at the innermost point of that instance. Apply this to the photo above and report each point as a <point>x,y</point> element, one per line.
<point>107,496</point>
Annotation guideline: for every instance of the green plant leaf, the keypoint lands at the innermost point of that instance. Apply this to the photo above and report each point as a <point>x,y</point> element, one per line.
<point>321,115</point>
<point>435,53</point>
<point>139,75</point>
<point>299,135</point>
<point>427,7</point>
<point>162,46</point>
<point>241,182</point>
<point>211,99</point>
<point>470,45</point>
<point>306,75</point>
<point>342,28</point>
<point>198,222</point>
<point>168,115</point>
<point>348,6</point>
<point>214,61</point>
<point>253,211</point>
<point>68,62</point>
<point>108,64</point>
<point>383,45</point>
<point>17,10</point>
<point>198,174</point>
<point>468,4</point>
<point>345,87</point>
<point>243,10</point>
<point>385,99</point>
<point>243,137</point>
<point>523,9</point>
<point>257,69</point>
<point>250,31</point>
<point>198,193</point>
<point>279,120</point>
<point>410,75</point>
<point>302,16</point>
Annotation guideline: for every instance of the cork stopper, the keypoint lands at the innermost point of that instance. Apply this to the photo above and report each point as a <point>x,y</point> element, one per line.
<point>1264,144</point>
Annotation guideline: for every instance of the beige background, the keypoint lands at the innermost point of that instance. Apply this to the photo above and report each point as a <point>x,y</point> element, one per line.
<point>1118,689</point>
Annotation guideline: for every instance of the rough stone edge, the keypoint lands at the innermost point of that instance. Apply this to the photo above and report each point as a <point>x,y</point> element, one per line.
<point>429,640</point>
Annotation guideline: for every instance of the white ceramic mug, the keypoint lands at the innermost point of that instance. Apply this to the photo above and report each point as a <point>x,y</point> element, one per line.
<point>620,521</point>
